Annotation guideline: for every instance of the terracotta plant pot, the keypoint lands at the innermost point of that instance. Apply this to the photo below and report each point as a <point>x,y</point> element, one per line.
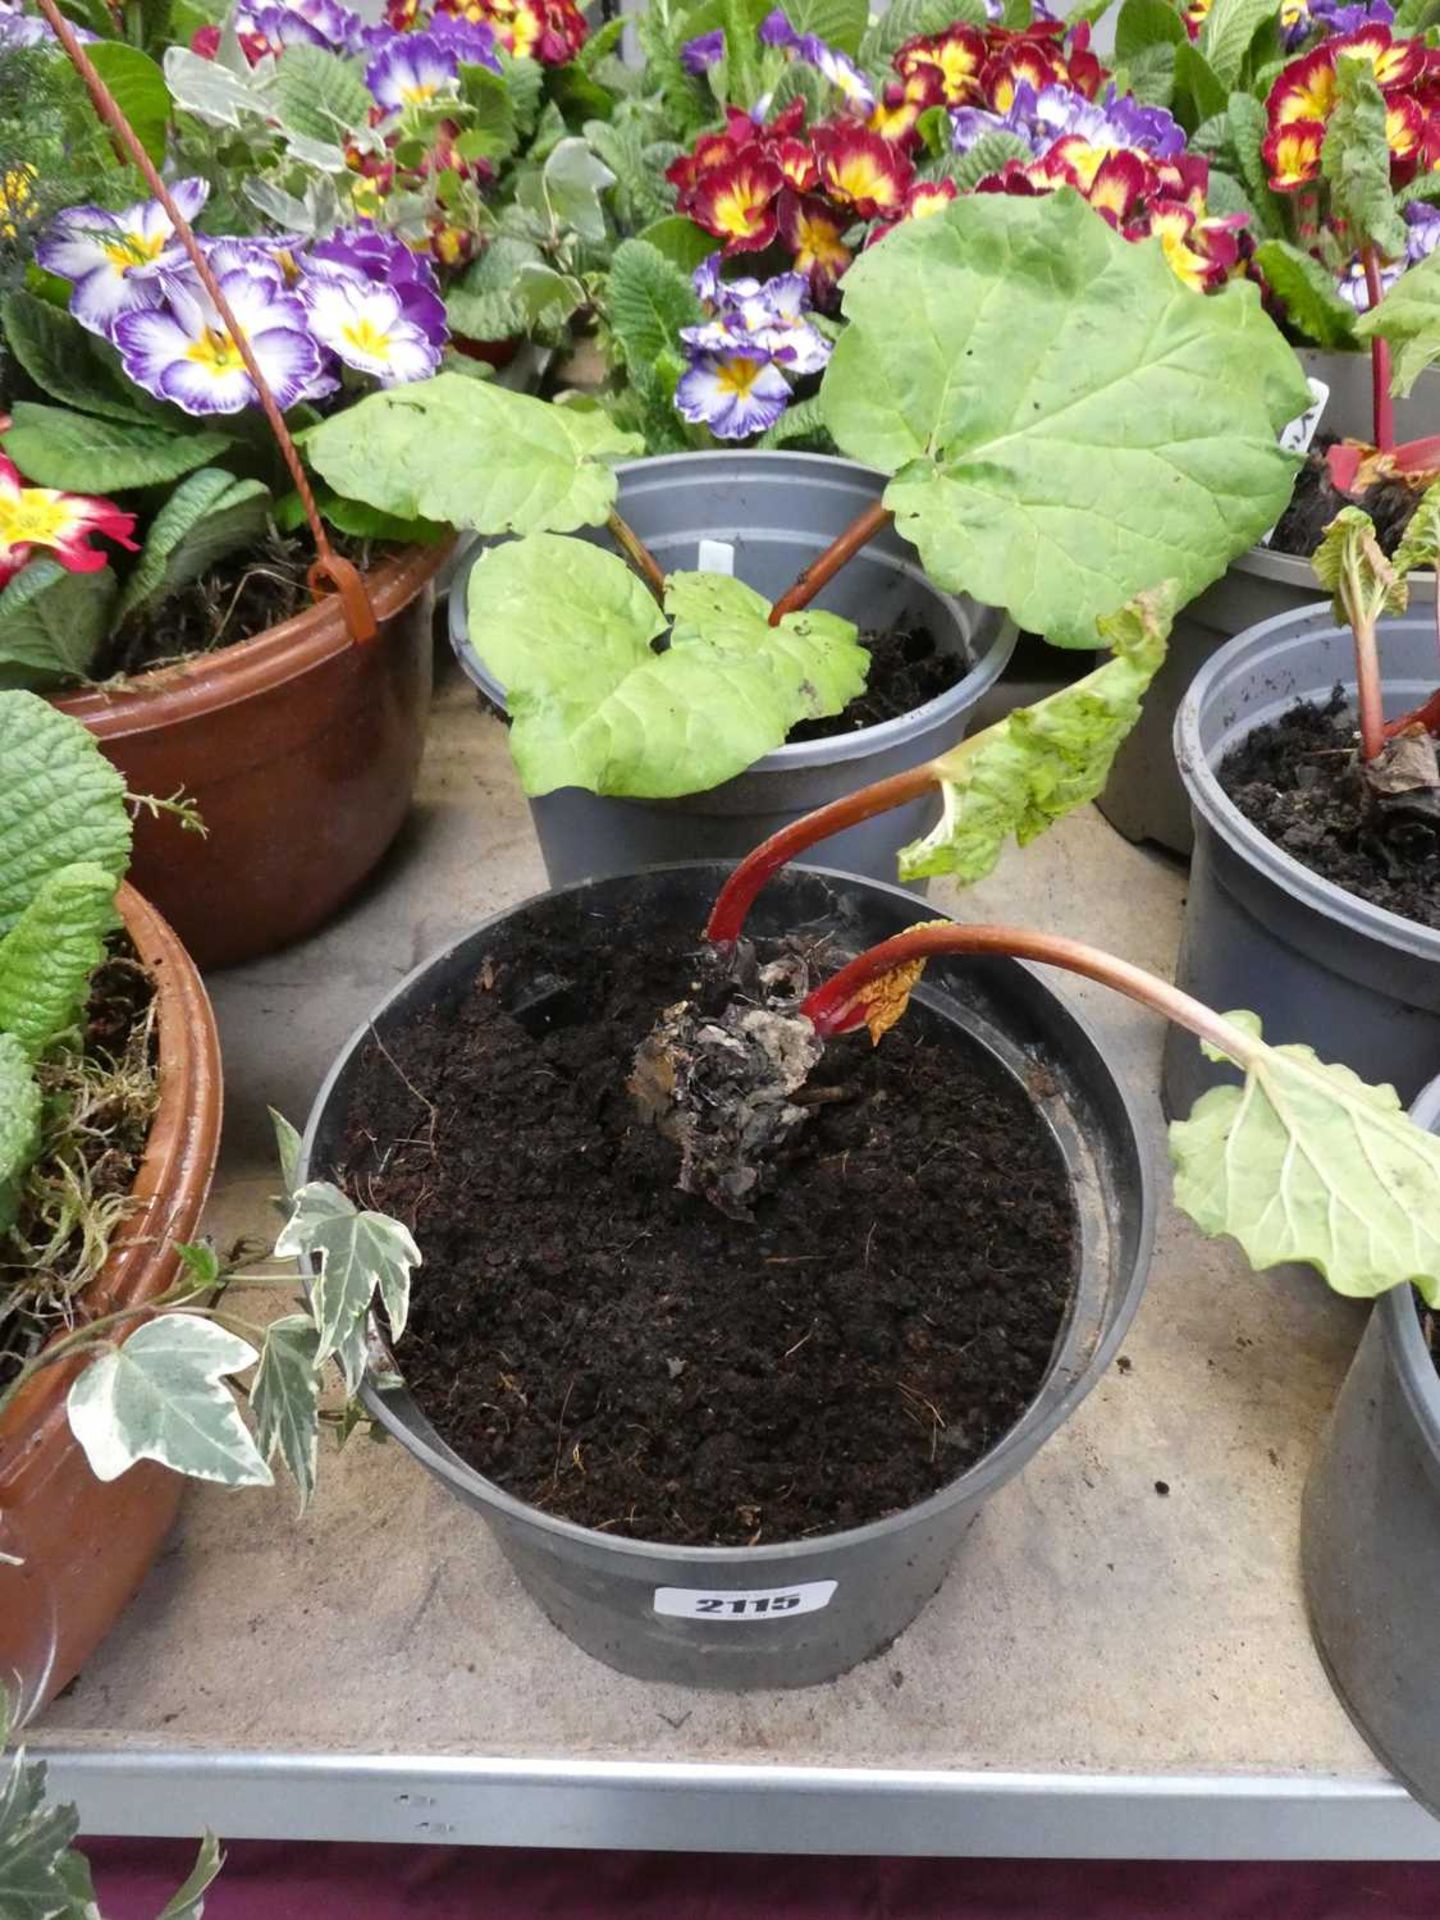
<point>300,750</point>
<point>85,1544</point>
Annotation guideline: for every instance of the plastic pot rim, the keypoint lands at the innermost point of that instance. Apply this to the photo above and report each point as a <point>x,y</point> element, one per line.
<point>1220,813</point>
<point>449,1468</point>
<point>1412,1360</point>
<point>795,756</point>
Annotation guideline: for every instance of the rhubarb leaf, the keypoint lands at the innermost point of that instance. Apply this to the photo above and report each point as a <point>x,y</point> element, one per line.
<point>285,1398</point>
<point>47,957</point>
<point>162,1396</point>
<point>1419,548</point>
<point>1353,568</point>
<point>1307,1162</point>
<point>19,1124</point>
<point>1065,422</point>
<point>1409,318</point>
<point>569,633</point>
<point>473,455</point>
<point>63,801</point>
<point>1040,762</point>
<point>356,1254</point>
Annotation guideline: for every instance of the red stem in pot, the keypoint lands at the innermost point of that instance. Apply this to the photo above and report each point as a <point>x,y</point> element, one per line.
<point>1384,404</point>
<point>837,1005</point>
<point>861,530</point>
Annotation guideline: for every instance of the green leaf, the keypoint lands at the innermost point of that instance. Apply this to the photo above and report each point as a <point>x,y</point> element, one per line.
<point>649,300</point>
<point>987,156</point>
<point>140,92</point>
<point>1225,38</point>
<point>907,20</point>
<point>210,514</point>
<point>215,94</point>
<point>285,1398</point>
<point>52,623</point>
<point>1152,76</point>
<point>839,23</point>
<point>1307,293</point>
<point>187,1902</point>
<point>682,243</point>
<point>288,1145</point>
<point>1066,423</point>
<point>1419,548</point>
<point>493,122</point>
<point>161,1395</point>
<point>64,802</point>
<point>565,194</point>
<point>1353,569</point>
<point>47,957</point>
<point>1041,762</point>
<point>1307,1162</point>
<point>1249,125</point>
<point>80,454</point>
<point>1146,23</point>
<point>320,95</point>
<point>1409,318</point>
<point>68,362</point>
<point>19,1131</point>
<point>567,629</point>
<point>429,451</point>
<point>1199,92</point>
<point>1355,158</point>
<point>1412,17</point>
<point>34,1840</point>
<point>354,517</point>
<point>801,420</point>
<point>357,1252</point>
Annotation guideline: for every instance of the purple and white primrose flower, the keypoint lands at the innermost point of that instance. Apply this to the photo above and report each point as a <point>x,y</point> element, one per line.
<point>1424,237</point>
<point>471,41</point>
<point>1424,224</point>
<point>21,29</point>
<point>366,258</point>
<point>775,30</point>
<point>341,27</point>
<point>181,350</point>
<point>109,258</point>
<point>754,336</point>
<point>706,50</point>
<point>1041,118</point>
<point>366,327</point>
<point>411,69</point>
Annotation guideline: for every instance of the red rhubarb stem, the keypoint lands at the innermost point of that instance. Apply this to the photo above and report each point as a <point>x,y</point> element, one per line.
<point>836,1006</point>
<point>1427,716</point>
<point>1369,690</point>
<point>737,896</point>
<point>861,530</point>
<point>1379,361</point>
<point>639,556</point>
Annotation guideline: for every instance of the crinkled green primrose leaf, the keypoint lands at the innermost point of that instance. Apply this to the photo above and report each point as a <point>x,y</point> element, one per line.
<point>161,1395</point>
<point>64,802</point>
<point>569,633</point>
<point>1028,770</point>
<point>1065,422</point>
<point>19,1123</point>
<point>47,957</point>
<point>1307,1162</point>
<point>1409,318</point>
<point>470,454</point>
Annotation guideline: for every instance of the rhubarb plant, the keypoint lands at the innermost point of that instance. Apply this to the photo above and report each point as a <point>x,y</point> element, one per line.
<point>1065,425</point>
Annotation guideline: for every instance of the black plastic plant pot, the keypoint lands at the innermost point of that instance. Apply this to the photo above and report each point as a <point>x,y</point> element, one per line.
<point>1317,963</point>
<point>1145,798</point>
<point>1370,1536</point>
<point>795,1613</point>
<point>778,512</point>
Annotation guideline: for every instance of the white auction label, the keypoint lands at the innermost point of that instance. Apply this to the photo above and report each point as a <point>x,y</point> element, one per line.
<point>753,1603</point>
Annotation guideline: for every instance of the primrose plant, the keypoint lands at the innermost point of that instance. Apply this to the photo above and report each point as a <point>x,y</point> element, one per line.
<point>1069,426</point>
<point>1301,1162</point>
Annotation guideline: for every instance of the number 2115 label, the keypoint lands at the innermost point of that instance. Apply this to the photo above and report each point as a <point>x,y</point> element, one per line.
<point>755,1603</point>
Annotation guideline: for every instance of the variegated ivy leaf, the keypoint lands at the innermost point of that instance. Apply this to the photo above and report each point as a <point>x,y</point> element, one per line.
<point>568,631</point>
<point>432,451</point>
<point>19,1123</point>
<point>35,1883</point>
<point>162,1396</point>
<point>1065,422</point>
<point>356,1254</point>
<point>1307,1162</point>
<point>1038,763</point>
<point>285,1398</point>
<point>288,1145</point>
<point>188,1901</point>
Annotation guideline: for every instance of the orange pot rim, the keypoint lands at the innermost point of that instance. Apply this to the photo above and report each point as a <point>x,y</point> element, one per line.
<point>171,1186</point>
<point>167,695</point>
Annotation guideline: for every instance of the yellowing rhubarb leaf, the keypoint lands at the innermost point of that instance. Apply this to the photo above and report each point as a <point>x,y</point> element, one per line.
<point>881,1001</point>
<point>1306,1161</point>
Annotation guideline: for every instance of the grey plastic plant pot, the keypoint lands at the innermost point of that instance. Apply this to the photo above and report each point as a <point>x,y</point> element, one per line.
<point>1262,931</point>
<point>1350,409</point>
<point>833,1600</point>
<point>1370,1537</point>
<point>779,511</point>
<point>1145,798</point>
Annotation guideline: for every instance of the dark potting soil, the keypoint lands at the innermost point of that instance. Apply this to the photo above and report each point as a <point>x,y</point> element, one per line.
<point>623,1355</point>
<point>907,669</point>
<point>1298,780</point>
<point>1315,503</point>
<point>234,600</point>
